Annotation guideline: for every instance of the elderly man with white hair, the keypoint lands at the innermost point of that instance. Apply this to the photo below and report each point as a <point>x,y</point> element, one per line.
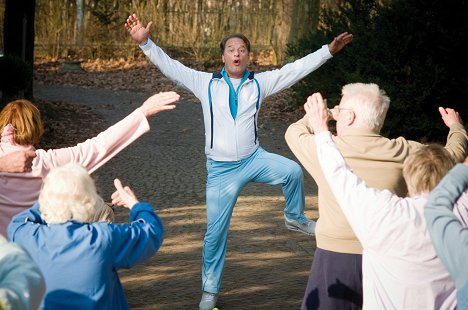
<point>70,235</point>
<point>335,279</point>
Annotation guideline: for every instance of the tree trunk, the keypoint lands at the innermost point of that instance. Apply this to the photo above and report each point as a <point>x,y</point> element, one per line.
<point>18,35</point>
<point>79,22</point>
<point>306,14</point>
<point>281,29</point>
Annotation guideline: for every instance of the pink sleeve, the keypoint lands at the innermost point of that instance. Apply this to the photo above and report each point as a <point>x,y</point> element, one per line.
<point>95,152</point>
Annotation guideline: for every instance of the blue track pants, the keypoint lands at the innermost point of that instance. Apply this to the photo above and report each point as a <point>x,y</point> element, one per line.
<point>224,183</point>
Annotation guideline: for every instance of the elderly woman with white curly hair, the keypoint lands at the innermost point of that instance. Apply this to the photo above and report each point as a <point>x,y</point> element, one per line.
<point>70,235</point>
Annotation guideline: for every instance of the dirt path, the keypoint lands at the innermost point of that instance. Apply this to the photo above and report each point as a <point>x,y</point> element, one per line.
<point>266,266</point>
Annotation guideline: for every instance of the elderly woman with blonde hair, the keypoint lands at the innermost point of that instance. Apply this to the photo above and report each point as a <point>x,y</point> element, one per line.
<point>70,235</point>
<point>21,127</point>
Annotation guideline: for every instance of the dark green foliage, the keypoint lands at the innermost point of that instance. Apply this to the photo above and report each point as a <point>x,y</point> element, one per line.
<point>16,76</point>
<point>413,49</point>
<point>106,13</point>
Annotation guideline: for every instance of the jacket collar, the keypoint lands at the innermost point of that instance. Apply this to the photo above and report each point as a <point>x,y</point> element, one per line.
<point>218,75</point>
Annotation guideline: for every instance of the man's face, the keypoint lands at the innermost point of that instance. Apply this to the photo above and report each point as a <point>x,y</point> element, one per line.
<point>235,58</point>
<point>343,116</point>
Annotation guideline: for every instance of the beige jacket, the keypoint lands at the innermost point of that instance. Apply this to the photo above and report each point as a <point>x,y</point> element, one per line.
<point>375,159</point>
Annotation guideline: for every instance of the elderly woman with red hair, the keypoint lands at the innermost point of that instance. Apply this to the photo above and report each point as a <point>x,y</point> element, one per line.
<point>22,128</point>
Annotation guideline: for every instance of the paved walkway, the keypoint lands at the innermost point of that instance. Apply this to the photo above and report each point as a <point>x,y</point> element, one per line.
<point>267,265</point>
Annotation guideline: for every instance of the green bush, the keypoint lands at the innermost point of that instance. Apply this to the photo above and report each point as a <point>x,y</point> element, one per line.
<point>412,49</point>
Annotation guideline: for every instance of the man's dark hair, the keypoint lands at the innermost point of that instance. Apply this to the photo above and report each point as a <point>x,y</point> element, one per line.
<point>222,45</point>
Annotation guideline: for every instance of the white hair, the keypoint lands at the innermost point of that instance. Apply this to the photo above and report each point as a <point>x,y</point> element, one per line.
<point>69,194</point>
<point>369,102</point>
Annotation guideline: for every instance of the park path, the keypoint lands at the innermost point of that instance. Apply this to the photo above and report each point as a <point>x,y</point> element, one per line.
<point>267,265</point>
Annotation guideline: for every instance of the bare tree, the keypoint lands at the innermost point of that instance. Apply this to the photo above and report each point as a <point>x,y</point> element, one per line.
<point>18,36</point>
<point>79,21</point>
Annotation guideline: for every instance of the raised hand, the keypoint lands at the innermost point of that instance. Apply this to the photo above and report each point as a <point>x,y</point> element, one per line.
<point>160,102</point>
<point>450,116</point>
<point>339,42</point>
<point>137,31</point>
<point>316,111</point>
<point>123,196</point>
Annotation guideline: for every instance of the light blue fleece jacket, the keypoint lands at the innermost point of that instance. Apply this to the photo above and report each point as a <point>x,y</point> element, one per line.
<point>80,261</point>
<point>449,236</point>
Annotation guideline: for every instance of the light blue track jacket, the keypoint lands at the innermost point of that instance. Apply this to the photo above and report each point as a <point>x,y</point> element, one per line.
<point>233,139</point>
<point>80,261</point>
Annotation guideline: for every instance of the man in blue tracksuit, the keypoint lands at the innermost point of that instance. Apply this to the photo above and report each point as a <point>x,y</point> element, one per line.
<point>231,99</point>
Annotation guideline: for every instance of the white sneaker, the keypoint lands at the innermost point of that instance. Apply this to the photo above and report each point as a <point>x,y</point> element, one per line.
<point>307,228</point>
<point>208,301</point>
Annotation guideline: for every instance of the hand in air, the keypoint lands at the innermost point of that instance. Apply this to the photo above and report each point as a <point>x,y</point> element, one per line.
<point>340,42</point>
<point>316,111</point>
<point>137,31</point>
<point>123,196</point>
<point>450,116</point>
<point>160,102</point>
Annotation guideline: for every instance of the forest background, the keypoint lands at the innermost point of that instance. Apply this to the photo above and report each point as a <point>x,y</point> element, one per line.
<point>413,49</point>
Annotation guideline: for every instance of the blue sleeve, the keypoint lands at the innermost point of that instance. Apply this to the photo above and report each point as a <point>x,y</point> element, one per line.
<point>27,217</point>
<point>449,236</point>
<point>139,240</point>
